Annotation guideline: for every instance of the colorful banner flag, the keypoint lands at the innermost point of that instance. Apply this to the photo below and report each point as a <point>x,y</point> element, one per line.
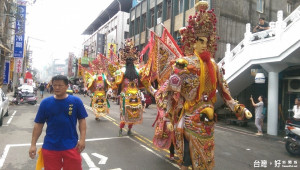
<point>169,40</point>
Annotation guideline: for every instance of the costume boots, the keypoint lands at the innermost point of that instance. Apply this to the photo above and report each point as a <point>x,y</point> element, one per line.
<point>129,132</point>
<point>120,132</point>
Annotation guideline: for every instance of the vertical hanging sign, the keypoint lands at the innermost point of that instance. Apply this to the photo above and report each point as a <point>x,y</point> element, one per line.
<point>6,73</point>
<point>18,65</point>
<point>20,30</point>
<point>11,68</point>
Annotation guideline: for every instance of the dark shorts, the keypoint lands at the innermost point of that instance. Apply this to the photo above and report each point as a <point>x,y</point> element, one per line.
<point>143,103</point>
<point>187,161</point>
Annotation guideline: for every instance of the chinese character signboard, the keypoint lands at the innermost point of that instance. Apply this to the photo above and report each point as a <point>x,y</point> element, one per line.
<point>70,64</point>
<point>20,30</point>
<point>11,68</point>
<point>18,65</point>
<point>79,73</point>
<point>6,73</point>
<point>100,43</point>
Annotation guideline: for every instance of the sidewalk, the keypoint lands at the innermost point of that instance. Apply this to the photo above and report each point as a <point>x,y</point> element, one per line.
<point>251,128</point>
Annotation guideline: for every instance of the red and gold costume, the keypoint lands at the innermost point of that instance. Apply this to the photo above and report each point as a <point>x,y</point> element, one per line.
<point>127,78</point>
<point>98,87</point>
<point>96,82</point>
<point>188,87</point>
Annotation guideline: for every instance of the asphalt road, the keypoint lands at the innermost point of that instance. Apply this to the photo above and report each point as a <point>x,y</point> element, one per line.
<point>236,147</point>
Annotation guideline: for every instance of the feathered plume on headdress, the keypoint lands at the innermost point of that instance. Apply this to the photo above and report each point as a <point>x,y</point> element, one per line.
<point>129,51</point>
<point>202,24</point>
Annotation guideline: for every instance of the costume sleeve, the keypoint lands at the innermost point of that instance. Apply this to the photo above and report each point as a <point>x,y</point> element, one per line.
<point>238,109</point>
<point>41,115</point>
<point>81,114</point>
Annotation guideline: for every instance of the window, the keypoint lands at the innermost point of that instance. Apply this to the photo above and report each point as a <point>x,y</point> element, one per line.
<point>289,8</point>
<point>180,6</point>
<point>152,18</point>
<point>159,14</point>
<point>191,4</point>
<point>144,22</point>
<point>159,11</point>
<point>126,35</point>
<point>169,9</point>
<point>260,6</point>
<point>132,28</point>
<point>138,21</point>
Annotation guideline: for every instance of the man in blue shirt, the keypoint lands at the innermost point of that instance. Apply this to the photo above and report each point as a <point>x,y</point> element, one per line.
<point>61,148</point>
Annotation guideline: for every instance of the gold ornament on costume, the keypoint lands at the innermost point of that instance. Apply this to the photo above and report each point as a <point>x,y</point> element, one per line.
<point>129,51</point>
<point>202,24</point>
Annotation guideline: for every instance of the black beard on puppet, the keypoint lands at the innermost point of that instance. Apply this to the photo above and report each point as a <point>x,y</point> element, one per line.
<point>130,71</point>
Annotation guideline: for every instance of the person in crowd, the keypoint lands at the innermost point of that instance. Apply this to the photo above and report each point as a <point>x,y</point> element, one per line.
<point>258,113</point>
<point>62,147</point>
<point>42,89</point>
<point>51,89</point>
<point>296,110</point>
<point>261,26</point>
<point>172,152</point>
<point>143,99</point>
<point>9,86</point>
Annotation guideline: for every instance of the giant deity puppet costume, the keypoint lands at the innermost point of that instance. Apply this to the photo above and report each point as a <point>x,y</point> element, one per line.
<point>99,102</point>
<point>96,82</point>
<point>128,81</point>
<point>188,94</point>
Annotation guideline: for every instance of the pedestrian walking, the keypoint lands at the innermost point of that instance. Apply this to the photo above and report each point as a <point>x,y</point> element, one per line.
<point>62,147</point>
<point>42,89</point>
<point>258,113</point>
<point>9,86</point>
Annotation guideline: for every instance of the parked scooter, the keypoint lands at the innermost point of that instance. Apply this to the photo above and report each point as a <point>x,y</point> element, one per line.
<point>292,138</point>
<point>25,97</point>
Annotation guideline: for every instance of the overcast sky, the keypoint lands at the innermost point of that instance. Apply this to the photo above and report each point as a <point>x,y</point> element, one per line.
<point>54,27</point>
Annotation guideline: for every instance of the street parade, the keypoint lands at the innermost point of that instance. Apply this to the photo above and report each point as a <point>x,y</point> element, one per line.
<point>159,97</point>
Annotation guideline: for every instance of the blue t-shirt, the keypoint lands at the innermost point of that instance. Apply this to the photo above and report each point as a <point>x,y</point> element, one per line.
<point>61,116</point>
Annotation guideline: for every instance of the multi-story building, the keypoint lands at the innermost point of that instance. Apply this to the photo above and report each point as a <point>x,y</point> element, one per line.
<point>108,30</point>
<point>7,24</point>
<point>232,16</point>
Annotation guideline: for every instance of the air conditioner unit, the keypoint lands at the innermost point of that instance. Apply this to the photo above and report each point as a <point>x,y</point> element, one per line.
<point>294,85</point>
<point>158,20</point>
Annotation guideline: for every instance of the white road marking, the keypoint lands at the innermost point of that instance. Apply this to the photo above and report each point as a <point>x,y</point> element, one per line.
<point>9,120</point>
<point>150,150</point>
<point>6,149</point>
<point>102,158</point>
<point>84,155</point>
<point>89,162</point>
<point>96,139</point>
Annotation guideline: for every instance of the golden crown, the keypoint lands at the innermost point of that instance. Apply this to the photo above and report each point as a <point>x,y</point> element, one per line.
<point>202,24</point>
<point>129,51</point>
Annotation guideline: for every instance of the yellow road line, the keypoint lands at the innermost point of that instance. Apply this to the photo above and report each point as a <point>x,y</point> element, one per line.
<point>111,118</point>
<point>139,137</point>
